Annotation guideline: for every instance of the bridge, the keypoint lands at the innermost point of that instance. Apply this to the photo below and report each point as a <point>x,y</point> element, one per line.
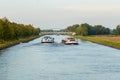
<point>57,33</point>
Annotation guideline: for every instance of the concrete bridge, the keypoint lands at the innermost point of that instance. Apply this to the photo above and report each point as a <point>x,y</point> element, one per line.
<point>56,33</point>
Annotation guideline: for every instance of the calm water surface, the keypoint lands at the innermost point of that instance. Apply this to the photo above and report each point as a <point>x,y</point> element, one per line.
<point>37,61</point>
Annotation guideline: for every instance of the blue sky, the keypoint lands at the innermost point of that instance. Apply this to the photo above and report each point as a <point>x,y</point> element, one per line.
<point>51,14</point>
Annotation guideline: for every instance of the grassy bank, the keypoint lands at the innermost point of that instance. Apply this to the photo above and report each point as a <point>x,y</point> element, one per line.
<point>7,44</point>
<point>102,41</point>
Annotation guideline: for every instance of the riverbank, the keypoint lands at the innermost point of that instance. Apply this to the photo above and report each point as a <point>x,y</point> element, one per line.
<point>111,41</point>
<point>7,44</point>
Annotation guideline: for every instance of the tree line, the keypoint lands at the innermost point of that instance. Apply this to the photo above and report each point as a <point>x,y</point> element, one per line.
<point>86,29</point>
<point>14,31</point>
<point>116,31</point>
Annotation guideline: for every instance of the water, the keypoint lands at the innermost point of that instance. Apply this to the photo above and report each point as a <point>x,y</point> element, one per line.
<point>37,61</point>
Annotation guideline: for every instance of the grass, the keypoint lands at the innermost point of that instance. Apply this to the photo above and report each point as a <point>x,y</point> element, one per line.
<point>110,43</point>
<point>7,44</point>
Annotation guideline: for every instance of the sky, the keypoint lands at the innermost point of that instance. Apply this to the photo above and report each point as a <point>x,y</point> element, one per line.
<point>59,14</point>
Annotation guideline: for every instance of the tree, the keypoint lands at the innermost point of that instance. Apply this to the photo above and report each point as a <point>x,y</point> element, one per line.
<point>10,31</point>
<point>118,29</point>
<point>86,29</point>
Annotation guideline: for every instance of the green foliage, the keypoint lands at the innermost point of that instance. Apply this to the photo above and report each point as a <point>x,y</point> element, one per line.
<point>86,29</point>
<point>116,31</point>
<point>13,31</point>
<point>101,41</point>
<point>72,28</point>
<point>6,44</point>
<point>82,30</point>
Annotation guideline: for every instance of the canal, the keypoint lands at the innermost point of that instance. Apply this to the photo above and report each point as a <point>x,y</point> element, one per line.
<point>37,61</point>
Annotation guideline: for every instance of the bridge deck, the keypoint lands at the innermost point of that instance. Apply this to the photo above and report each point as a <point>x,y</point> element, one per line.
<point>56,33</point>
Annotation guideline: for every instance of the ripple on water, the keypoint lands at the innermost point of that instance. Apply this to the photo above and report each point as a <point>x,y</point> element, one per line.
<point>56,61</point>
